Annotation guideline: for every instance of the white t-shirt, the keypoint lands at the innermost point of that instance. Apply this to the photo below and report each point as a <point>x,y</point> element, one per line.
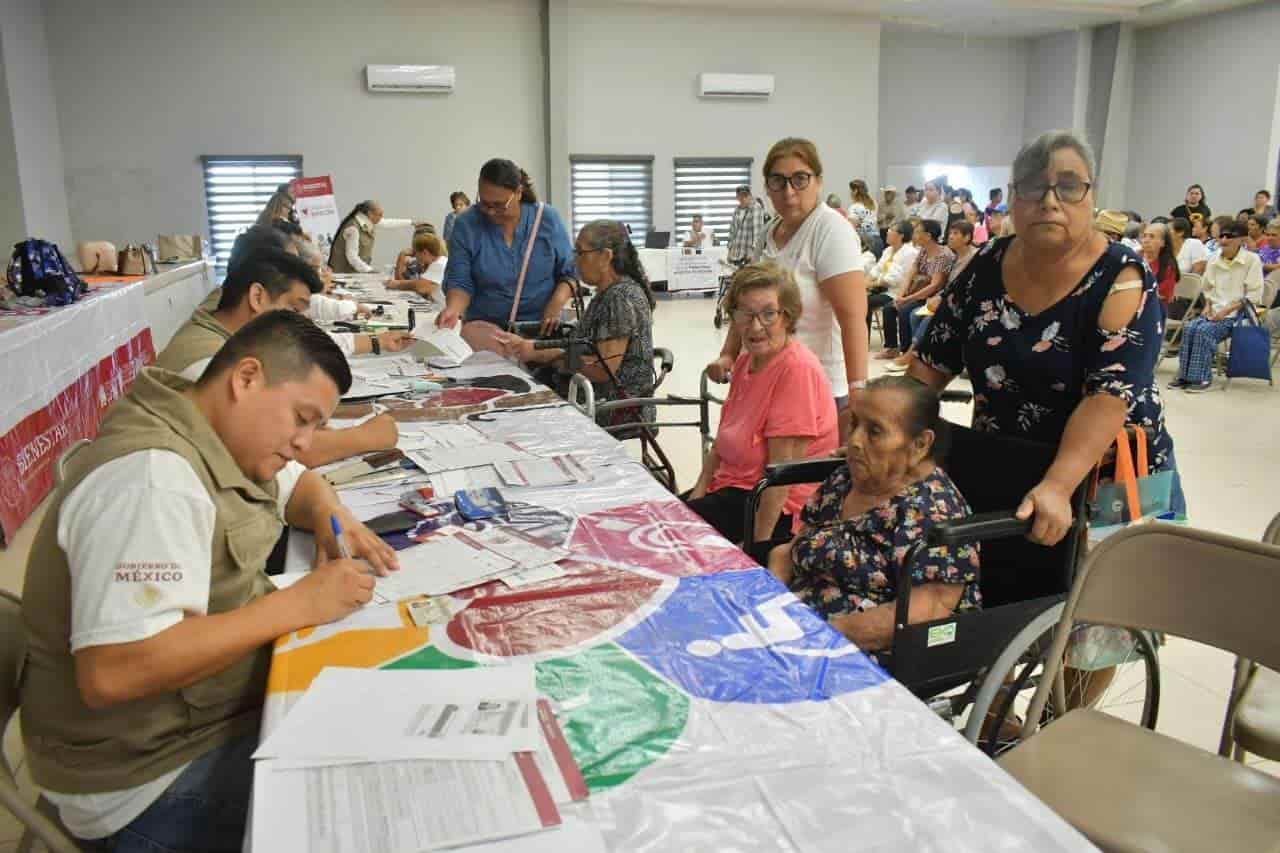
<point>895,267</point>
<point>824,247</point>
<point>708,238</point>
<point>326,309</point>
<point>1191,253</point>
<point>145,507</point>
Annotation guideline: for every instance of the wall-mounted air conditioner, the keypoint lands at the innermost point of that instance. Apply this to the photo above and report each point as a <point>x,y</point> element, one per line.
<point>735,85</point>
<point>409,78</point>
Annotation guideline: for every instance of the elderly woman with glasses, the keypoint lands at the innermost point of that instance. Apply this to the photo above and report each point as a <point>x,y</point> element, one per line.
<point>824,256</point>
<point>779,408</point>
<point>490,245</point>
<point>1059,329</point>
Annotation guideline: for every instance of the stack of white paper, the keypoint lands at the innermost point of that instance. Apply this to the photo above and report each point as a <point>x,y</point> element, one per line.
<point>409,760</point>
<point>434,461</point>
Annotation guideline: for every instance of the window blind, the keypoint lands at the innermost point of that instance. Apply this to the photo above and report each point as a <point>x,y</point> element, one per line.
<point>613,187</point>
<point>707,185</point>
<point>235,191</point>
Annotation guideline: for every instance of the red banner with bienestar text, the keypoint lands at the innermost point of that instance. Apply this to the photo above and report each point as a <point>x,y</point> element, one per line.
<point>30,449</point>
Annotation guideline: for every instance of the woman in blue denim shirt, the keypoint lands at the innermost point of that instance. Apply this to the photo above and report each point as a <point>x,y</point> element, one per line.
<point>486,252</point>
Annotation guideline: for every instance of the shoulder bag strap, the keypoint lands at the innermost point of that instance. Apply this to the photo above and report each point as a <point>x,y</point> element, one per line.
<point>524,266</point>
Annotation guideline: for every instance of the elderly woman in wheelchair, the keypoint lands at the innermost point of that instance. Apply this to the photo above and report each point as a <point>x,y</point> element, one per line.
<point>864,519</point>
<point>779,408</point>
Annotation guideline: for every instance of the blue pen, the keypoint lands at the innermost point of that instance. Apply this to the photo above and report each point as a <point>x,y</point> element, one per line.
<point>337,532</point>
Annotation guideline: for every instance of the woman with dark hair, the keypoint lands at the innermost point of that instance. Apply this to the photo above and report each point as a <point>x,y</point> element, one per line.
<point>1059,330</point>
<point>889,276</point>
<point>510,260</point>
<point>1194,206</point>
<point>933,265</point>
<point>352,249</point>
<point>619,321</point>
<point>1257,230</point>
<point>859,526</point>
<point>977,221</point>
<point>1158,255</point>
<point>458,203</point>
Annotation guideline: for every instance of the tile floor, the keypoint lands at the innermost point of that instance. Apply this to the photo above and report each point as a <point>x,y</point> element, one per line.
<point>1225,445</point>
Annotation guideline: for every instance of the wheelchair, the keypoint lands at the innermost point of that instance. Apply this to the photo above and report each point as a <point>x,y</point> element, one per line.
<point>987,662</point>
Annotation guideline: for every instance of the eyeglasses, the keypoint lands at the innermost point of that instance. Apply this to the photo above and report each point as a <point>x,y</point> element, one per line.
<point>1068,192</point>
<point>496,208</point>
<point>767,318</point>
<point>580,252</point>
<point>799,180</point>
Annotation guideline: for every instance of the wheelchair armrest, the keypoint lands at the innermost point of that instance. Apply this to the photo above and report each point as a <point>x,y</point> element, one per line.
<point>803,471</point>
<point>983,525</point>
<point>948,396</point>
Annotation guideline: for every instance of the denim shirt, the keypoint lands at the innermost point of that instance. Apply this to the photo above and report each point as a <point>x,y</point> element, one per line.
<point>483,265</point>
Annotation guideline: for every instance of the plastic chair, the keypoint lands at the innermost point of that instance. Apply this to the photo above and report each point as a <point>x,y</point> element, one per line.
<point>1128,788</point>
<point>40,820</point>
<point>1252,724</point>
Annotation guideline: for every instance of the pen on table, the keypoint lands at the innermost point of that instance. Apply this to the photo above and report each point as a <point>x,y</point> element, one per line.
<point>343,551</point>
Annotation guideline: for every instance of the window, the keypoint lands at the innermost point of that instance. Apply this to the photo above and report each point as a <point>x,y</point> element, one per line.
<point>235,191</point>
<point>707,185</point>
<point>618,188</point>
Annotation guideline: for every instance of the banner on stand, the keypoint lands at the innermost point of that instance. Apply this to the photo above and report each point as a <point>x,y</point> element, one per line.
<point>317,209</point>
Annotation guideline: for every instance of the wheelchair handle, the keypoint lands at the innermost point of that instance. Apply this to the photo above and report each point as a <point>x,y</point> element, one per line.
<point>955,396</point>
<point>977,527</point>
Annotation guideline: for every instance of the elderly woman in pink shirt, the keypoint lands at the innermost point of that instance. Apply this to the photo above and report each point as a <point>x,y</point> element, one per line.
<point>779,408</point>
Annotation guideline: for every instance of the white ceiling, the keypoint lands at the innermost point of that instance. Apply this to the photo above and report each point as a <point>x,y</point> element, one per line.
<point>977,18</point>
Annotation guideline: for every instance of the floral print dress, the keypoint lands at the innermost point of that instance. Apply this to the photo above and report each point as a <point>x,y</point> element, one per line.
<point>1030,371</point>
<point>850,565</point>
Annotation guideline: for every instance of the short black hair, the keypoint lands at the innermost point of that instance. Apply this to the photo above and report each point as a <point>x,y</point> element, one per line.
<point>1267,193</point>
<point>911,188</point>
<point>1235,227</point>
<point>252,239</point>
<point>274,269</point>
<point>932,228</point>
<point>1159,220</point>
<point>1181,225</point>
<point>695,216</point>
<point>924,410</point>
<point>964,227</point>
<point>288,345</point>
<point>905,230</point>
<point>995,193</point>
<point>742,190</point>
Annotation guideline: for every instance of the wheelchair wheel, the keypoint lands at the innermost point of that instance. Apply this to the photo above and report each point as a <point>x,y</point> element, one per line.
<point>1129,689</point>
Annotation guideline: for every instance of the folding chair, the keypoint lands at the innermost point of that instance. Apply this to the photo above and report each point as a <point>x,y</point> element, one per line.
<point>1128,788</point>
<point>1189,287</point>
<point>1252,723</point>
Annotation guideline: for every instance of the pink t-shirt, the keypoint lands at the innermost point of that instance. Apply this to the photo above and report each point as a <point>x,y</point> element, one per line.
<point>790,398</point>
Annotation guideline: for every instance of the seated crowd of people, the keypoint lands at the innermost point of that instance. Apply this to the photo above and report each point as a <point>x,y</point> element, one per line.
<point>1052,310</point>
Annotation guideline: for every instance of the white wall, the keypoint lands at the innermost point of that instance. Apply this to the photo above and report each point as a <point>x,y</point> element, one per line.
<point>1051,84</point>
<point>33,120</point>
<point>13,225</point>
<point>1219,135</point>
<point>170,80</point>
<point>950,100</point>
<point>632,88</point>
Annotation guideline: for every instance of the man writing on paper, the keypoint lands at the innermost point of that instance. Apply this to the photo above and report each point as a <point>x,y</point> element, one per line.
<point>149,619</point>
<point>269,280</point>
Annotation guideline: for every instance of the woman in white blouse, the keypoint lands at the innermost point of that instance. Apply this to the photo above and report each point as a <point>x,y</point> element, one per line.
<point>817,245</point>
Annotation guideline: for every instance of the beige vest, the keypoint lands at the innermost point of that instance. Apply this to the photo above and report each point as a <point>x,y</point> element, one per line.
<point>198,339</point>
<point>74,749</point>
<point>338,254</point>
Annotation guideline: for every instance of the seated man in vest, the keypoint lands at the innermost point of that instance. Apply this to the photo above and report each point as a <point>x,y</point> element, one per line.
<point>260,237</point>
<point>149,618</point>
<point>269,280</point>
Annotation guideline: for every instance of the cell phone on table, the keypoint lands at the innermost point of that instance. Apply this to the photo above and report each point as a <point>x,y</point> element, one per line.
<point>393,522</point>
